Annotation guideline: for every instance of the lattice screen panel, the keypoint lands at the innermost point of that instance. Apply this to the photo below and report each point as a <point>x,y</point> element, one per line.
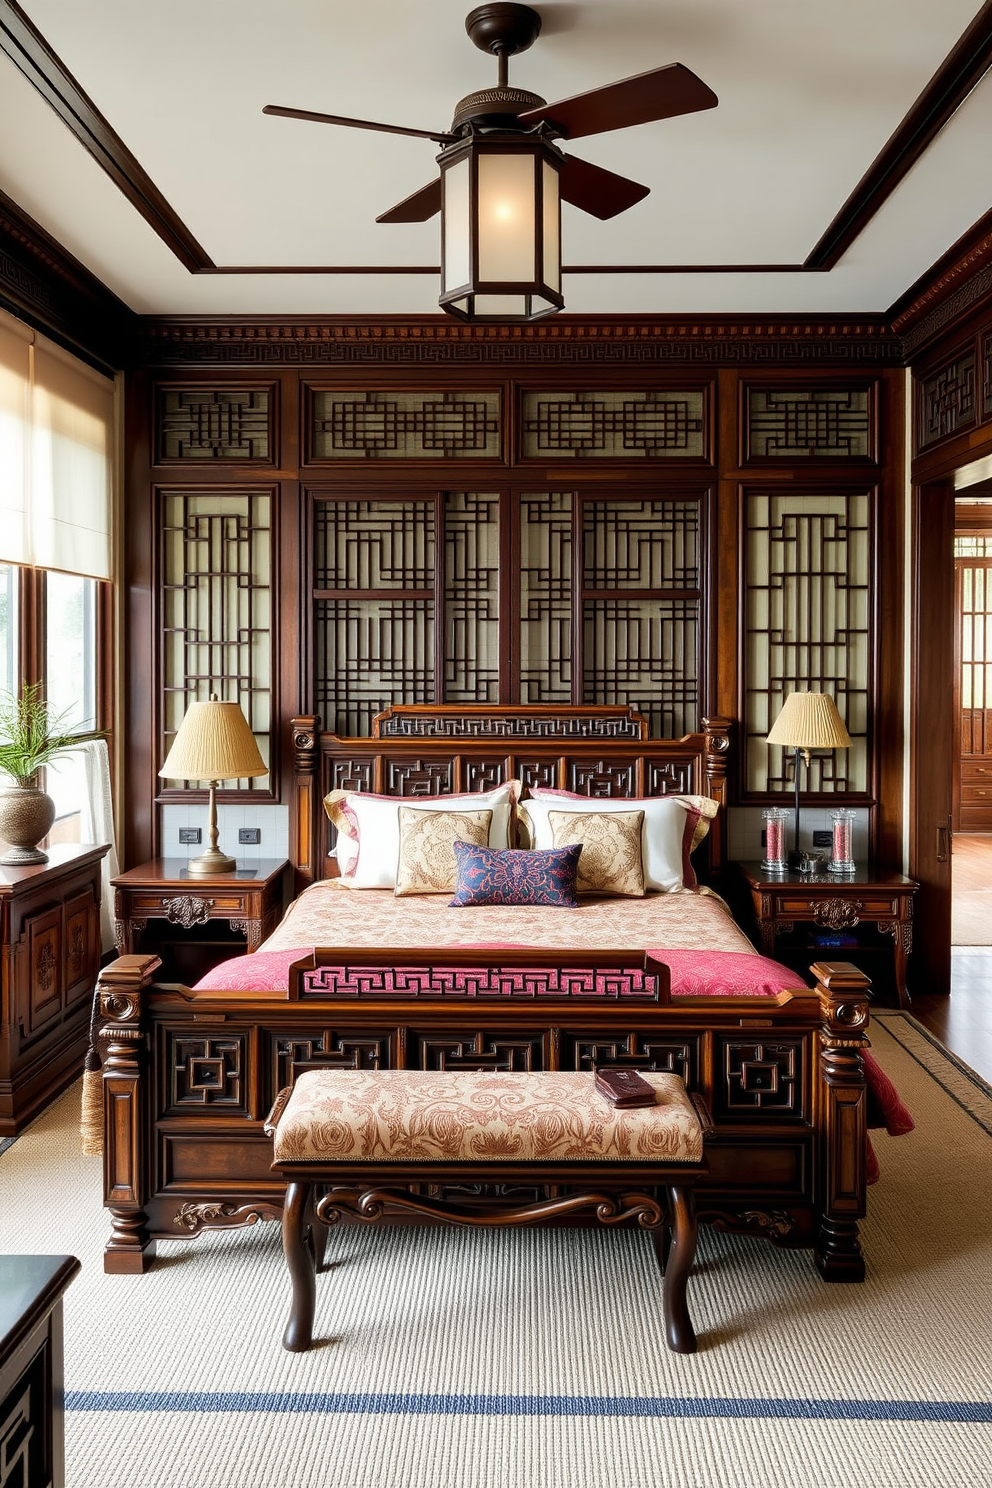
<point>546,598</point>
<point>808,564</point>
<point>374,580</point>
<point>213,424</point>
<point>652,425</point>
<point>640,545</point>
<point>646,653</point>
<point>804,423</point>
<point>471,598</point>
<point>215,588</point>
<point>972,546</point>
<point>406,426</point>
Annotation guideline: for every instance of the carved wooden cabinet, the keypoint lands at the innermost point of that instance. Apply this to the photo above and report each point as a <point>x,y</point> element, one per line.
<point>50,925</point>
<point>192,922</point>
<point>806,918</point>
<point>32,1450</point>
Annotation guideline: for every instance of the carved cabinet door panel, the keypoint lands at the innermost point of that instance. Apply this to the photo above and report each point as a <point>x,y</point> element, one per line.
<point>82,949</point>
<point>40,970</point>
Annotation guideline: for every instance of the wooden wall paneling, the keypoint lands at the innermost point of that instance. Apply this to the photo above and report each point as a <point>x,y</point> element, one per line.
<point>139,782</point>
<point>889,721</point>
<point>932,735</point>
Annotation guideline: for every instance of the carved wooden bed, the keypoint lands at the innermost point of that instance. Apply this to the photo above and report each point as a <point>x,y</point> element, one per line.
<point>189,1077</point>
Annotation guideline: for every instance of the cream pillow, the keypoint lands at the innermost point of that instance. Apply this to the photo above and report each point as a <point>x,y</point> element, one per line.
<point>610,861</point>
<point>672,826</point>
<point>426,862</point>
<point>369,834</point>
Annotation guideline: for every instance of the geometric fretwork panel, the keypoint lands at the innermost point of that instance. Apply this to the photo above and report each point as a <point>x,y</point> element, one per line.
<point>546,597</point>
<point>644,652</point>
<point>481,1051</point>
<point>947,400</point>
<point>807,628</point>
<point>650,425</point>
<point>633,1051</point>
<point>294,1054</point>
<point>213,424</point>
<point>645,545</point>
<point>208,1071</point>
<point>759,1076</point>
<point>810,423</point>
<point>471,598</point>
<point>372,651</point>
<point>405,426</point>
<point>215,592</point>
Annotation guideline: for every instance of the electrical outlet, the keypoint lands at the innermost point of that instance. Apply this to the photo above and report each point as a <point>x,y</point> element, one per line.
<point>191,836</point>
<point>249,836</point>
<point>822,839</point>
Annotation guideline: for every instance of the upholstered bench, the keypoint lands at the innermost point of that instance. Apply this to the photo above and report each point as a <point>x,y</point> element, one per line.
<point>352,1142</point>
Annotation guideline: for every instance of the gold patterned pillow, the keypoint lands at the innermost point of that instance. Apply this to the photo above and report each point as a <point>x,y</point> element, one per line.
<point>611,861</point>
<point>426,863</point>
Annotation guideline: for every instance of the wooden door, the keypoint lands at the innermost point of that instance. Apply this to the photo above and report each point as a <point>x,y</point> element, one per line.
<point>932,733</point>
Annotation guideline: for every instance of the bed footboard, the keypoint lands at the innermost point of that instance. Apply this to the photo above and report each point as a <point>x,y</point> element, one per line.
<point>188,1079</point>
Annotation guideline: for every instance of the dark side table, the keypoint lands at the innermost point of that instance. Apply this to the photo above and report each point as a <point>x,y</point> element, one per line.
<point>834,909</point>
<point>32,1413</point>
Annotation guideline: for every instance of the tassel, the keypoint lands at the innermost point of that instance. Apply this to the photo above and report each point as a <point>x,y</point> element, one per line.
<point>91,1115</point>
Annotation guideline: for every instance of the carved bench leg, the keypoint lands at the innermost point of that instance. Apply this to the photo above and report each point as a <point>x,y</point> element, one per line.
<point>301,1261</point>
<point>679,1260</point>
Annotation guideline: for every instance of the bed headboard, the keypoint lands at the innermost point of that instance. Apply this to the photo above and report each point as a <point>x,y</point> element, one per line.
<point>428,750</point>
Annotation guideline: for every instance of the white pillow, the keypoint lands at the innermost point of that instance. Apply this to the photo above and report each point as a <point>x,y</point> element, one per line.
<point>662,835</point>
<point>368,846</point>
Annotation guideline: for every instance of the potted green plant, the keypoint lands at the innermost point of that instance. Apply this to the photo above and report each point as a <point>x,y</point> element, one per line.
<point>30,736</point>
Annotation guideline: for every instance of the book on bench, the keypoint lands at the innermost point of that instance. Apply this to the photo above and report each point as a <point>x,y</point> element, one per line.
<point>624,1088</point>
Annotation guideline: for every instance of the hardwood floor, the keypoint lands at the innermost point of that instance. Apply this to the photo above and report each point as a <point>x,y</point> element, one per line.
<point>963,1021</point>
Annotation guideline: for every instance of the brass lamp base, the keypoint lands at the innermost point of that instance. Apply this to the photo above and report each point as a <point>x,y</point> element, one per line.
<point>213,861</point>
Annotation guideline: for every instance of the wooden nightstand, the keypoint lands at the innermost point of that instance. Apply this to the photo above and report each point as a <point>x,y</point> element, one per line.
<point>845,907</point>
<point>194,922</point>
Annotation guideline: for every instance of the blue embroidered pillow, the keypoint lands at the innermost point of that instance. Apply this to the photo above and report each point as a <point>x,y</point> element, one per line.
<point>509,875</point>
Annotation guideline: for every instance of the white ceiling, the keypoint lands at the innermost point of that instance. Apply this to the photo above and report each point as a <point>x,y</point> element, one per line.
<point>809,93</point>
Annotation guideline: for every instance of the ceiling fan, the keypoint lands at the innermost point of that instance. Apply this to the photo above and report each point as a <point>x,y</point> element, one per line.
<point>511,121</point>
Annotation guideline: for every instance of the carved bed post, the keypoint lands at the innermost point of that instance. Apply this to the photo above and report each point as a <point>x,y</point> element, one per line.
<point>843,1125</point>
<point>304,815</point>
<point>126,1112</point>
<point>717,733</point>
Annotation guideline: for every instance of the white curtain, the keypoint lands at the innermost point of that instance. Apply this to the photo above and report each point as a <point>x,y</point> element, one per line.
<point>82,778</point>
<point>56,456</point>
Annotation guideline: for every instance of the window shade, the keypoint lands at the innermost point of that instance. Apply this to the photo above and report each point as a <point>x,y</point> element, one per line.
<point>56,456</point>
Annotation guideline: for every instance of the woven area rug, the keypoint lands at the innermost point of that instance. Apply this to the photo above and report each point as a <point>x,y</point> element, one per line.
<point>458,1359</point>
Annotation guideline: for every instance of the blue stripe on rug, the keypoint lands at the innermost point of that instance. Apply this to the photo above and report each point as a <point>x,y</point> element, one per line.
<point>720,1407</point>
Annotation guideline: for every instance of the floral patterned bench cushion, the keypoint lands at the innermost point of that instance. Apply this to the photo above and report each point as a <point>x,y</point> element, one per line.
<point>466,1116</point>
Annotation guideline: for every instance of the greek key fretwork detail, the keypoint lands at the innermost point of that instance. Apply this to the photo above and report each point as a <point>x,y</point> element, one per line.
<point>506,726</point>
<point>208,424</point>
<point>419,778</point>
<point>809,423</point>
<point>484,1051</point>
<point>188,910</point>
<point>294,1054</point>
<point>603,779</point>
<point>207,1071</point>
<point>947,400</point>
<point>650,425</point>
<point>836,914</point>
<point>669,779</point>
<point>761,1077</point>
<point>600,984</point>
<point>632,1051</point>
<point>404,426</point>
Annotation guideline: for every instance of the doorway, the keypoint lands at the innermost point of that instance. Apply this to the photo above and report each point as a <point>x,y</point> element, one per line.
<point>971,862</point>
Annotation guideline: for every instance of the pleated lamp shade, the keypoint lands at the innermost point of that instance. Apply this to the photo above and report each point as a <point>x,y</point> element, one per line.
<point>809,720</point>
<point>214,742</point>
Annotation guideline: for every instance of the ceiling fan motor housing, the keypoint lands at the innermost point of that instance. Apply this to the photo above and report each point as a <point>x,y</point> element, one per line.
<point>493,108</point>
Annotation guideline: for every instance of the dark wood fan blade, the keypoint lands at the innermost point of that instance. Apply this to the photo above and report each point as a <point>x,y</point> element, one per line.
<point>291,113</point>
<point>661,94</point>
<point>416,208</point>
<point>599,192</point>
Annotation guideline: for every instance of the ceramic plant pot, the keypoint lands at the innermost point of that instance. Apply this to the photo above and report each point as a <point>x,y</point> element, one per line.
<point>26,816</point>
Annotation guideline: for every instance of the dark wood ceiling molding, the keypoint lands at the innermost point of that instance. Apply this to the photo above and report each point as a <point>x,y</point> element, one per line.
<point>42,284</point>
<point>398,341</point>
<point>31,54</point>
<point>964,66</point>
<point>955,286</point>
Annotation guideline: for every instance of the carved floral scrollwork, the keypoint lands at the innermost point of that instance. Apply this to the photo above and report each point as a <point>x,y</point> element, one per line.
<point>777,1223</point>
<point>45,967</point>
<point>77,951</point>
<point>188,910</point>
<point>194,1217</point>
<point>836,914</point>
<point>901,932</point>
<point>118,1006</point>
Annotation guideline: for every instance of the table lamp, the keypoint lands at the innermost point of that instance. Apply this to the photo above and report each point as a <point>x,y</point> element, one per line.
<point>808,720</point>
<point>214,743</point>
